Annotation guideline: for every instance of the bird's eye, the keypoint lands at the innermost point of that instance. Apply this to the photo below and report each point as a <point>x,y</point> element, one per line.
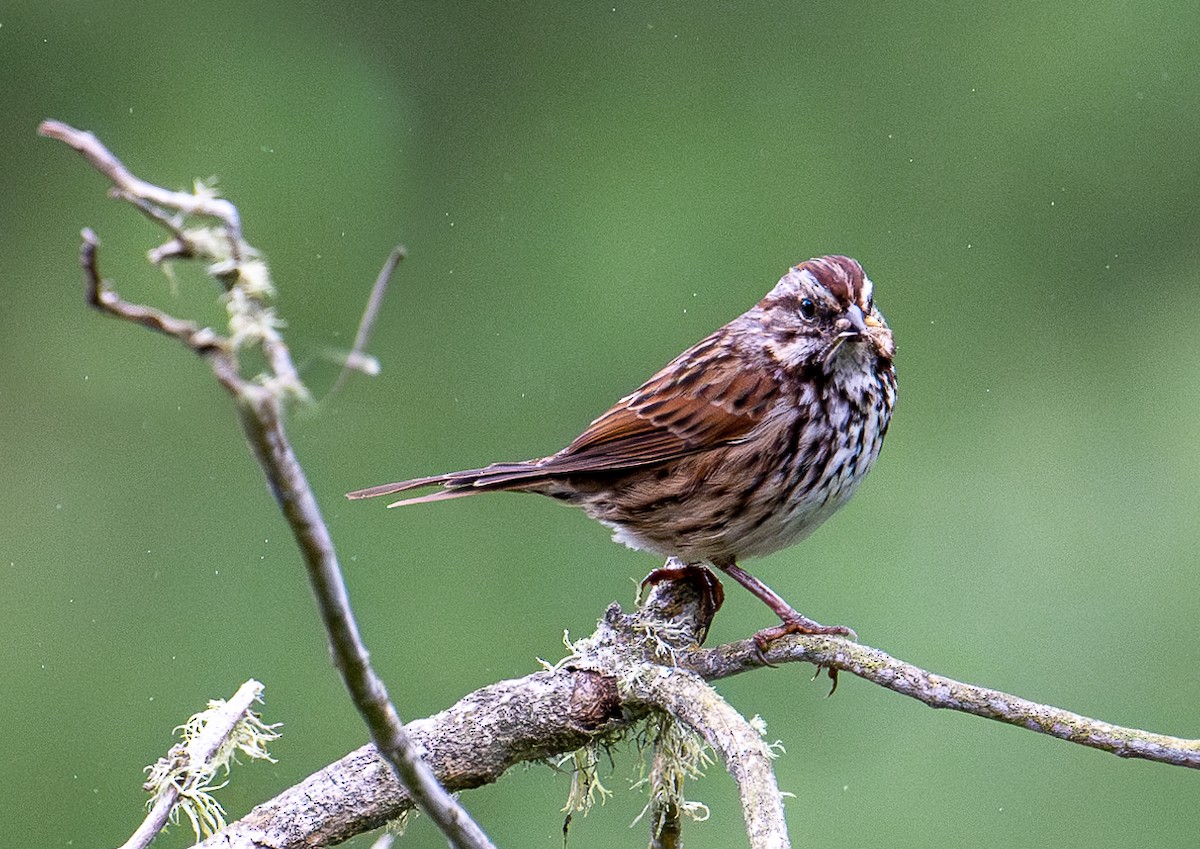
<point>808,310</point>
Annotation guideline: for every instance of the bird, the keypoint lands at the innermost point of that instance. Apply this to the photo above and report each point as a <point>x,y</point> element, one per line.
<point>741,446</point>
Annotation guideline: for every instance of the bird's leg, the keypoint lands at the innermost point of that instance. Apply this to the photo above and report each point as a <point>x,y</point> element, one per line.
<point>712,594</point>
<point>794,622</point>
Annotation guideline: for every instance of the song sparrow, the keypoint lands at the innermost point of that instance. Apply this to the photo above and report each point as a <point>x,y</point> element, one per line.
<point>742,445</point>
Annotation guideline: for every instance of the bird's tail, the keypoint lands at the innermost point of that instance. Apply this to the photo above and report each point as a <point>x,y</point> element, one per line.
<point>494,478</point>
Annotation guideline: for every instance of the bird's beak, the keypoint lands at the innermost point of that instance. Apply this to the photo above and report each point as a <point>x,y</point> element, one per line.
<point>858,323</point>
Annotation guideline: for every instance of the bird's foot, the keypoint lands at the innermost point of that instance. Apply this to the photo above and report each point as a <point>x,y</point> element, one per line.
<point>793,621</point>
<point>798,623</point>
<point>705,583</point>
<point>801,624</point>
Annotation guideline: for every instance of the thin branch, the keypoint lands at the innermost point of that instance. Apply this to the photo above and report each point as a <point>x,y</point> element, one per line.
<point>938,691</point>
<point>357,357</point>
<point>261,421</point>
<point>260,412</point>
<point>688,698</point>
<point>202,340</point>
<point>136,190</point>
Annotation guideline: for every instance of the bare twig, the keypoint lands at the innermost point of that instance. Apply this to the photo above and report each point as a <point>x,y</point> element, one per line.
<point>260,415</point>
<point>260,412</point>
<point>357,357</point>
<point>202,340</point>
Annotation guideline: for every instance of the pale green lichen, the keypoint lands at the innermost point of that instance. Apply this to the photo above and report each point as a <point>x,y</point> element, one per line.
<point>205,189</point>
<point>662,637</point>
<point>759,725</point>
<point>254,278</point>
<point>397,826</point>
<point>678,754</point>
<point>586,788</point>
<point>186,771</point>
<point>573,655</point>
<point>210,243</point>
<point>250,323</point>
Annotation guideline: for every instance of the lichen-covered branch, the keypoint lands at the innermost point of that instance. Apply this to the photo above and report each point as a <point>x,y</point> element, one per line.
<point>614,680</point>
<point>467,745</point>
<point>212,737</point>
<point>641,655</point>
<point>693,702</point>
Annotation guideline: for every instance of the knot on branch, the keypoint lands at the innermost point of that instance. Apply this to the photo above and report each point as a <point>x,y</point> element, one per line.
<point>672,618</point>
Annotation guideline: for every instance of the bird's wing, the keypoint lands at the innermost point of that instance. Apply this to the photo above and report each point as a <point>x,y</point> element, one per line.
<point>700,400</point>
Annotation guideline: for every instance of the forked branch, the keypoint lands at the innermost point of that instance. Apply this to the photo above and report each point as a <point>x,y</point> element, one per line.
<point>260,405</point>
<point>614,680</point>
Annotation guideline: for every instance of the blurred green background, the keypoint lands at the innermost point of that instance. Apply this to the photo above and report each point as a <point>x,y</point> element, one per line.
<point>585,189</point>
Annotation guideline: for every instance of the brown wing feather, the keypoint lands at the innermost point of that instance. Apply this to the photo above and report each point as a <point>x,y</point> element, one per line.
<point>700,400</point>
